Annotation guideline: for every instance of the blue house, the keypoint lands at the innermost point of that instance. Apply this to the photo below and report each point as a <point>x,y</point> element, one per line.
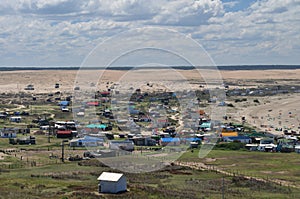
<point>169,141</point>
<point>8,134</point>
<point>64,103</point>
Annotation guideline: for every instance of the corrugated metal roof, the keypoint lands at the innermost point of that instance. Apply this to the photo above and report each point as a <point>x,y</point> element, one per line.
<point>108,176</point>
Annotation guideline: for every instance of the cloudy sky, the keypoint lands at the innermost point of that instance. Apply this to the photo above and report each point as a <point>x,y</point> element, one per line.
<point>63,32</point>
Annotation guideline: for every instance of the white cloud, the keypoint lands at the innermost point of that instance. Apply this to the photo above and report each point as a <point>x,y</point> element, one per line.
<point>188,13</point>
<point>267,31</point>
<point>271,6</point>
<point>230,4</point>
<point>53,32</point>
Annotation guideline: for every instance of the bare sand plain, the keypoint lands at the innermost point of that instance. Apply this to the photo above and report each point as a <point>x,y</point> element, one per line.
<point>44,80</point>
<point>272,112</point>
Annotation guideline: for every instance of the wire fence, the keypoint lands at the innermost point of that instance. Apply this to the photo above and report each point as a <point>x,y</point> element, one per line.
<point>222,186</point>
<point>242,180</point>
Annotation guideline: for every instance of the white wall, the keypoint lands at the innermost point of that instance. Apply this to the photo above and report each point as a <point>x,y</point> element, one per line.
<point>113,187</point>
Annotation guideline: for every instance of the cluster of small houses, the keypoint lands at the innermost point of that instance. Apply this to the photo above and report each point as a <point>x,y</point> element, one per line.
<point>263,91</point>
<point>13,116</point>
<point>100,97</point>
<point>101,142</point>
<point>253,141</point>
<point>262,141</point>
<point>94,135</point>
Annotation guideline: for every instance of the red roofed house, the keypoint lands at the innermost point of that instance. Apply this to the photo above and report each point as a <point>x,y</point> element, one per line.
<point>92,103</point>
<point>64,134</point>
<point>105,93</point>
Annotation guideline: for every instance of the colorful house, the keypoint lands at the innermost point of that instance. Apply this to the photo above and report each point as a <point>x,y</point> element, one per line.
<point>229,134</point>
<point>169,141</point>
<point>205,125</point>
<point>64,103</point>
<point>94,103</point>
<point>64,134</point>
<point>8,134</point>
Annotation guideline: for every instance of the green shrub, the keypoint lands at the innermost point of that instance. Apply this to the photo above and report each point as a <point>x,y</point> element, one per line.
<point>230,145</point>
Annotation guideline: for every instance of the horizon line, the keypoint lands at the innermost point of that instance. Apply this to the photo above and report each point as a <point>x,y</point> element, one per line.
<point>216,67</point>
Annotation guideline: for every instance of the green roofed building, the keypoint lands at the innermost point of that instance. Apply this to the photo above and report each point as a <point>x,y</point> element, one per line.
<point>96,126</point>
<point>205,125</point>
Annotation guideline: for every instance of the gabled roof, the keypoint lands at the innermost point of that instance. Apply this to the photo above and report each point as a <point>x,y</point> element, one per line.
<point>108,176</point>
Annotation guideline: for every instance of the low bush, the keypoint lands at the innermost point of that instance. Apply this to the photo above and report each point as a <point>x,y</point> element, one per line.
<point>230,146</point>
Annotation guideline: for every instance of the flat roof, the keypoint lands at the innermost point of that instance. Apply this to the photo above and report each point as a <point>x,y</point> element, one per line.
<point>108,176</point>
<point>64,132</point>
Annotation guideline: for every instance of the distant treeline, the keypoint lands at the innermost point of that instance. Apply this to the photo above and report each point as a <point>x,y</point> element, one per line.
<point>232,67</point>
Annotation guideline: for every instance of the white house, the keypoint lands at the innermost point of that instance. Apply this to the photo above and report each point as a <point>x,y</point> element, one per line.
<point>112,182</point>
<point>87,141</point>
<point>297,148</point>
<point>266,145</point>
<point>15,119</point>
<point>242,139</point>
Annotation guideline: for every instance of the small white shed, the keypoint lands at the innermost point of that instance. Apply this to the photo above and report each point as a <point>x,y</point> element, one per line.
<point>112,182</point>
<point>15,119</point>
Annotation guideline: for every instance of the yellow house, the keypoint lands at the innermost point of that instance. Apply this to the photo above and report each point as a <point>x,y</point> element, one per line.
<point>229,134</point>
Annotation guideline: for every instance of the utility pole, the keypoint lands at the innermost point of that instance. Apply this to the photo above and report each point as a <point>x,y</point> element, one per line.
<point>49,133</point>
<point>63,150</point>
<point>51,129</point>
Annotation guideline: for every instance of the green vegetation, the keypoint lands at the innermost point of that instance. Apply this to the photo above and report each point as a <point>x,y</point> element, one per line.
<point>78,180</point>
<point>230,146</point>
<point>280,166</point>
<point>49,178</point>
